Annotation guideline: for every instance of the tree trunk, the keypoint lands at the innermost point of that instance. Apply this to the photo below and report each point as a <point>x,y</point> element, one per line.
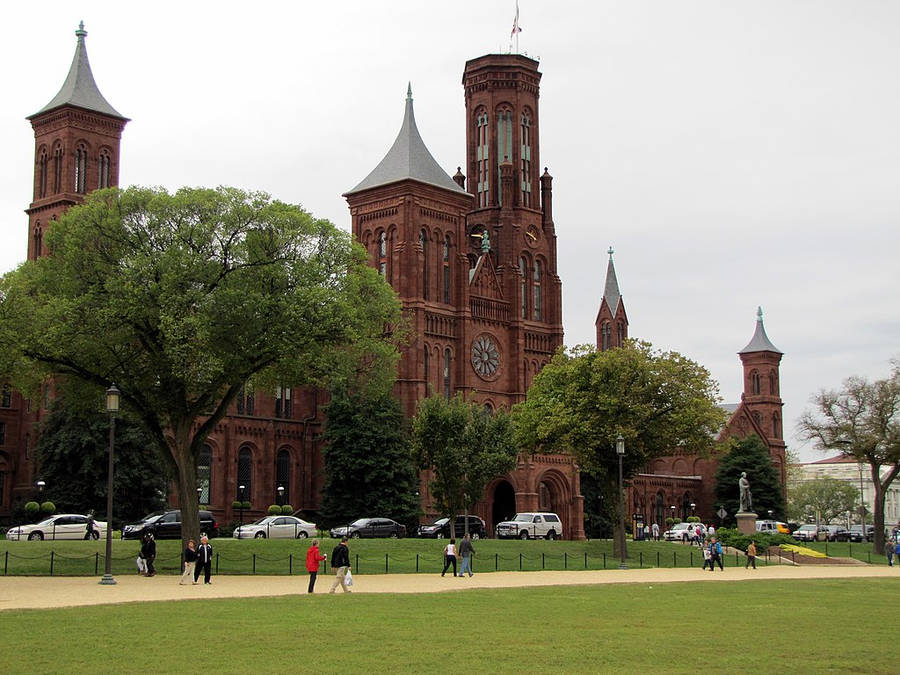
<point>186,484</point>
<point>878,546</point>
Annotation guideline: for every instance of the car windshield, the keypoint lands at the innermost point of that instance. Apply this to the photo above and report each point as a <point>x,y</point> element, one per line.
<point>522,518</point>
<point>441,521</point>
<point>48,521</point>
<point>807,528</point>
<point>359,523</point>
<point>149,518</point>
<point>264,521</point>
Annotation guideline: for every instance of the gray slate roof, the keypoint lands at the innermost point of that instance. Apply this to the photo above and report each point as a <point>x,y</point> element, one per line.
<point>79,89</point>
<point>611,292</point>
<point>760,341</point>
<point>408,158</point>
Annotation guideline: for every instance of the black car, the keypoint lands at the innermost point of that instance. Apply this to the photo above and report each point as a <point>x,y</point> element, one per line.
<point>856,533</point>
<point>167,525</point>
<point>440,529</point>
<point>371,527</point>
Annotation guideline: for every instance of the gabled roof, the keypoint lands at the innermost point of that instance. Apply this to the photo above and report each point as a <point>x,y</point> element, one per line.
<point>408,158</point>
<point>760,341</point>
<point>79,89</point>
<point>611,292</point>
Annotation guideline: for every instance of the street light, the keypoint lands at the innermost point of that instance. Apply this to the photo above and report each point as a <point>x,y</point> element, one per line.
<point>693,508</point>
<point>112,407</point>
<point>199,495</point>
<point>620,451</point>
<point>40,485</point>
<point>241,507</point>
<point>673,512</point>
<point>280,495</point>
<point>770,514</point>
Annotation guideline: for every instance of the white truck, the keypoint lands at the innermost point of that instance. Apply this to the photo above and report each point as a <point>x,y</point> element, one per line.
<point>530,526</point>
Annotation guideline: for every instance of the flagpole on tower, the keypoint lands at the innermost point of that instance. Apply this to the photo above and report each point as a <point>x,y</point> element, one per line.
<point>514,33</point>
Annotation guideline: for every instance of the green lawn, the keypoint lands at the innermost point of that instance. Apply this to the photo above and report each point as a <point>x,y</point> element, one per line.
<point>368,556</point>
<point>803,626</point>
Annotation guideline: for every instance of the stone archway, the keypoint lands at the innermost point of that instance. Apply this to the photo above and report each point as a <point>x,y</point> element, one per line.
<point>553,497</point>
<point>503,503</point>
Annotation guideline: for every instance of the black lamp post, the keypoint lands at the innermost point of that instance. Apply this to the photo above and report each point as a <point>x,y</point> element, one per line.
<point>770,514</point>
<point>281,495</point>
<point>620,451</point>
<point>112,407</point>
<point>40,486</point>
<point>241,507</point>
<point>693,508</point>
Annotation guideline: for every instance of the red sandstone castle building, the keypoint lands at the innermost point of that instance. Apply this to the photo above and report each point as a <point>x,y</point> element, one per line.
<point>473,260</point>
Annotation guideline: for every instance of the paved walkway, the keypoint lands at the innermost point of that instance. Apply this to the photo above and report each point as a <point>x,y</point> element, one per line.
<point>45,592</point>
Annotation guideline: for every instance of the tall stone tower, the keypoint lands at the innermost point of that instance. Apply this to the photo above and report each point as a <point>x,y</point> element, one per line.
<point>76,141</point>
<point>612,321</point>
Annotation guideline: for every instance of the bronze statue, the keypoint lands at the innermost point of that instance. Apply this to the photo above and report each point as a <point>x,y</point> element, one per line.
<point>746,498</point>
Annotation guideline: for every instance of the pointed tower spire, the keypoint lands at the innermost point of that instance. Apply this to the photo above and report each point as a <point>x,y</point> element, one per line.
<point>80,89</point>
<point>760,341</point>
<point>611,291</point>
<point>408,158</point>
<point>611,322</point>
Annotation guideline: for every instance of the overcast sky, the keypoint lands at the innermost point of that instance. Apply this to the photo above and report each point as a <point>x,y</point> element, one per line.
<point>734,154</point>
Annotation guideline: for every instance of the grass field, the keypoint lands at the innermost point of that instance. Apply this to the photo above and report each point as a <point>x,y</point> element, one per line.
<point>367,555</point>
<point>800,626</point>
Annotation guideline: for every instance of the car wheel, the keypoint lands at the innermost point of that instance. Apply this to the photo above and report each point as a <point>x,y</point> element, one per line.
<point>36,536</point>
<point>551,535</point>
<point>302,534</point>
<point>95,535</point>
<point>394,535</point>
<point>355,535</point>
<point>523,534</point>
<point>260,535</point>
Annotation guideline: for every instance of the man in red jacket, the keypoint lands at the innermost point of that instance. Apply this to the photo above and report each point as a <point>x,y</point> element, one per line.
<point>313,558</point>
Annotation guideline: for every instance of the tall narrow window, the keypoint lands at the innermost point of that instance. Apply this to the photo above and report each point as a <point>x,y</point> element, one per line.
<point>775,429</point>
<point>2,485</point>
<point>283,406</point>
<point>5,396</point>
<point>245,474</point>
<point>250,402</point>
<point>481,158</point>
<point>103,171</point>
<point>536,288</point>
<point>42,175</point>
<point>447,373</point>
<point>204,473</point>
<point>605,333</point>
<point>526,159</point>
<point>283,474</point>
<point>523,285</point>
<point>504,142</point>
<point>447,269</point>
<point>423,241</point>
<point>57,168</point>
<point>80,168</point>
<point>425,364</point>
<point>382,254</point>
<point>38,241</point>
<point>2,433</point>
<point>754,382</point>
<point>620,334</point>
<point>773,383</point>
<point>244,403</point>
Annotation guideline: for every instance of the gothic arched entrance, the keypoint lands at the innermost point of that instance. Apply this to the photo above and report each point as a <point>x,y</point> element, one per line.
<point>503,505</point>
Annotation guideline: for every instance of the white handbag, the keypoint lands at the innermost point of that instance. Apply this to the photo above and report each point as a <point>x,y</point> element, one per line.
<point>348,579</point>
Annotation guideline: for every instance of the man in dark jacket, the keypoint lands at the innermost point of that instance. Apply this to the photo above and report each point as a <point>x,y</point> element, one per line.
<point>340,563</point>
<point>204,560</point>
<point>466,550</point>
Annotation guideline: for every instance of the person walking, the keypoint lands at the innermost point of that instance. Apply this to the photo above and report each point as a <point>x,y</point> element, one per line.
<point>707,557</point>
<point>466,551</point>
<point>190,561</point>
<point>340,563</point>
<point>655,530</point>
<point>89,529</point>
<point>204,560</point>
<point>148,553</point>
<point>313,558</point>
<point>449,557</point>
<point>751,555</point>
<point>715,554</point>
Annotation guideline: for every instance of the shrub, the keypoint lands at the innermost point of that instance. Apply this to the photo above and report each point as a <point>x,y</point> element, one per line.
<point>236,504</point>
<point>286,509</point>
<point>247,506</point>
<point>736,539</point>
<point>670,522</point>
<point>32,509</point>
<point>693,519</point>
<point>274,510</point>
<point>48,507</point>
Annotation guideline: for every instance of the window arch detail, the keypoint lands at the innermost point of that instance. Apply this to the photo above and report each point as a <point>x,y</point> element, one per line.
<point>245,474</point>
<point>283,474</point>
<point>81,161</point>
<point>482,153</point>
<point>536,281</point>
<point>525,153</point>
<point>204,473</point>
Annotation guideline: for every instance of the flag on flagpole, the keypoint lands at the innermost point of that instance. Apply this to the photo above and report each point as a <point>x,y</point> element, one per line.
<point>515,26</point>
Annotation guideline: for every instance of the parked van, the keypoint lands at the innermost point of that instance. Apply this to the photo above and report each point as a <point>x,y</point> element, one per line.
<point>772,527</point>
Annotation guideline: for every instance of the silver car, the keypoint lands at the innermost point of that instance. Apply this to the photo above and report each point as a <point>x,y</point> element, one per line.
<point>276,527</point>
<point>60,526</point>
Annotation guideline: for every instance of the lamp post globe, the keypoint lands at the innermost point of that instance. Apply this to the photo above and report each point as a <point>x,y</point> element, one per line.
<point>281,495</point>
<point>40,485</point>
<point>241,499</point>
<point>112,408</point>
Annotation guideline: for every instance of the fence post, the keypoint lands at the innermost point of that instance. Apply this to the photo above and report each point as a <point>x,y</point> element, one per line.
<point>585,560</point>
<point>51,563</point>
<point>291,562</point>
<point>692,557</point>
<point>520,562</point>
<point>254,563</point>
<point>826,547</point>
<point>6,563</point>
<point>642,559</point>
<point>542,560</point>
<point>96,562</point>
<point>565,560</point>
<point>674,559</point>
<point>496,562</point>
<point>385,562</point>
<point>417,562</point>
<point>217,563</point>
<point>357,562</point>
<point>604,561</point>
<point>870,557</point>
<point>657,558</point>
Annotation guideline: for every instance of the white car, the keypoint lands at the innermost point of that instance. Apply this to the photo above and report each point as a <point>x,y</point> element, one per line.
<point>531,525</point>
<point>60,526</point>
<point>276,527</point>
<point>685,532</point>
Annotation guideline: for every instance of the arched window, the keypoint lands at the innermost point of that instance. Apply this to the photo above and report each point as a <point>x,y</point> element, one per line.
<point>2,433</point>
<point>536,291</point>
<point>446,257</point>
<point>42,174</point>
<point>620,334</point>
<point>773,383</point>
<point>104,162</point>
<point>283,474</point>
<point>38,241</point>
<point>776,427</point>
<point>80,168</point>
<point>245,474</point>
<point>204,473</point>
<point>754,382</point>
<point>757,418</point>
<point>57,168</point>
<point>382,254</point>
<point>425,363</point>
<point>447,373</point>
<point>523,269</point>
<point>283,406</point>
<point>5,396</point>
<point>482,189</point>
<point>526,159</point>
<point>504,142</point>
<point>659,511</point>
<point>423,241</point>
<point>245,403</point>
<point>605,335</point>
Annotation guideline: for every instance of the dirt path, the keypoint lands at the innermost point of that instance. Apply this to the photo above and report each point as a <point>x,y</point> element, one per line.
<point>46,592</point>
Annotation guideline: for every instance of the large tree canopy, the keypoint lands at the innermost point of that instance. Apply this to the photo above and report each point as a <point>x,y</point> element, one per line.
<point>464,446</point>
<point>180,298</point>
<point>583,399</point>
<point>862,421</point>
<point>823,499</point>
<point>752,456</point>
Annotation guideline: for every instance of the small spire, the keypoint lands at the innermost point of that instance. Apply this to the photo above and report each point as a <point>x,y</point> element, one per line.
<point>81,33</point>
<point>409,91</point>
<point>611,291</point>
<point>610,251</point>
<point>760,341</point>
<point>759,314</point>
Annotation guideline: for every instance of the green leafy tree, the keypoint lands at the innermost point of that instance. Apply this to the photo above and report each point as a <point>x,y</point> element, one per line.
<point>861,421</point>
<point>464,446</point>
<point>180,299</point>
<point>749,454</point>
<point>369,470</point>
<point>584,398</point>
<point>822,498</point>
<point>72,451</point>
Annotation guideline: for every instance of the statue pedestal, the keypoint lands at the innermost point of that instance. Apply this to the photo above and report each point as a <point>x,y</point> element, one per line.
<point>746,522</point>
